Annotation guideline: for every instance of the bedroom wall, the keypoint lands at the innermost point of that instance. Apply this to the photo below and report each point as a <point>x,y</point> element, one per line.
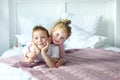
<point>4,26</point>
<point>117,27</point>
<point>28,8</point>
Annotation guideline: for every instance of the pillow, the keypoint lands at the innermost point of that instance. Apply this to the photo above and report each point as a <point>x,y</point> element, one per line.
<point>80,33</point>
<point>87,23</point>
<point>92,42</point>
<point>75,43</point>
<point>83,26</point>
<point>96,41</point>
<point>83,31</point>
<point>23,39</point>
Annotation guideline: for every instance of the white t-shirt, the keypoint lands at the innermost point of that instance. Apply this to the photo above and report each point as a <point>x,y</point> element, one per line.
<point>53,51</point>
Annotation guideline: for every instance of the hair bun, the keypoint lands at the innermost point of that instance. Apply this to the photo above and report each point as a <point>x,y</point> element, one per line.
<point>66,21</point>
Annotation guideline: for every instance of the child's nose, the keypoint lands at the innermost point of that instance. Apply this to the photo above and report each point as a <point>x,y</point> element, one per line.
<point>58,38</point>
<point>40,39</point>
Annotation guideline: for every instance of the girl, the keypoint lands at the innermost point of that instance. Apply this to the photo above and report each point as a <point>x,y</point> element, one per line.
<point>59,33</point>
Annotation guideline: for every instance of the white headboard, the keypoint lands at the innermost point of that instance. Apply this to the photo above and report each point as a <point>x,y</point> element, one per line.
<point>34,9</point>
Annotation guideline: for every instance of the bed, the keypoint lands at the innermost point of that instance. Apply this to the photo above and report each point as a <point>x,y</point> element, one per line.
<point>82,64</point>
<point>89,57</point>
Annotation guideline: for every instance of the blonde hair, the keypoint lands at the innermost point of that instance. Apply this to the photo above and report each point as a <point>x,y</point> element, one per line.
<point>40,28</point>
<point>63,25</point>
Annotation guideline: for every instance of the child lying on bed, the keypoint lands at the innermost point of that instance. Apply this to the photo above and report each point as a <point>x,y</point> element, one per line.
<point>59,33</point>
<point>40,49</point>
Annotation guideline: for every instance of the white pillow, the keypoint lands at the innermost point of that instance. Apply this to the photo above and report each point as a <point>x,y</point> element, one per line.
<point>83,31</point>
<point>78,32</point>
<point>75,43</point>
<point>23,39</point>
<point>87,23</point>
<point>96,41</point>
<point>78,43</point>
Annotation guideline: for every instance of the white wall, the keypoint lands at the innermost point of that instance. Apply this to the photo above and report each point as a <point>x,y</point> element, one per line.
<point>4,26</point>
<point>12,21</point>
<point>117,27</point>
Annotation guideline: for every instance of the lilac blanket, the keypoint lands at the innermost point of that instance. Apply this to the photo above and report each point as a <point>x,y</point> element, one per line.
<point>82,64</point>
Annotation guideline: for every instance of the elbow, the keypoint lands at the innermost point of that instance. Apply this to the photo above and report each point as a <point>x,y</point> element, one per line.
<point>52,66</point>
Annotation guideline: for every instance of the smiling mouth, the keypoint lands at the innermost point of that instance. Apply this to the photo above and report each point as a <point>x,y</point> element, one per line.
<point>39,44</point>
<point>56,41</point>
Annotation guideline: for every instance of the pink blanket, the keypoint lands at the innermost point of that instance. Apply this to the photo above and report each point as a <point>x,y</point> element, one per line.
<point>82,64</point>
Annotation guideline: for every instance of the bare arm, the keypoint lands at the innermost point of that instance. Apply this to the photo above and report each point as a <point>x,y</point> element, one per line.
<point>62,51</point>
<point>30,57</point>
<point>49,61</point>
<point>62,59</point>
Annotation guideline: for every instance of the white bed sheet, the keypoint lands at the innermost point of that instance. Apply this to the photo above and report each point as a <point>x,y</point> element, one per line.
<point>10,73</point>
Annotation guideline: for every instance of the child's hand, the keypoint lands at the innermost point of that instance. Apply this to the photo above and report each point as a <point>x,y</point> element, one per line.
<point>45,49</point>
<point>60,62</point>
<point>29,60</point>
<point>30,54</point>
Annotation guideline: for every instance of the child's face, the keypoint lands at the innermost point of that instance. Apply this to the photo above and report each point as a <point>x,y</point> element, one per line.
<point>40,38</point>
<point>58,37</point>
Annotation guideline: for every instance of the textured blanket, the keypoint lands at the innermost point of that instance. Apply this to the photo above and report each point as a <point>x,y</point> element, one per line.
<point>82,64</point>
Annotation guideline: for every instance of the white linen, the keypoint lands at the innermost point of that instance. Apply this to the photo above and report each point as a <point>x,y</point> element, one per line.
<point>83,31</point>
<point>88,23</point>
<point>12,52</point>
<point>77,42</point>
<point>23,39</point>
<point>10,73</point>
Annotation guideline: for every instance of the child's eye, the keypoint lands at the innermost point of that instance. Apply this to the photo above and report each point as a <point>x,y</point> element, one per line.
<point>43,37</point>
<point>36,38</point>
<point>57,34</point>
<point>62,37</point>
